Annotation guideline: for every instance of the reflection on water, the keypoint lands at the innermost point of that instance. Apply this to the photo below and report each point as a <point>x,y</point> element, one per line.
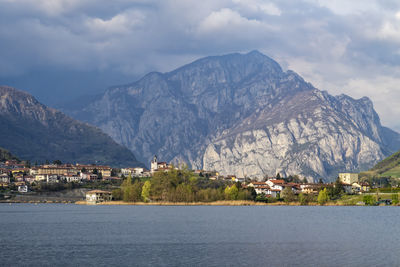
<point>71,235</point>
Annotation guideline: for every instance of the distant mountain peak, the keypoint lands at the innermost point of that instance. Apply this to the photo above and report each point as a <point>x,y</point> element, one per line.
<point>242,114</point>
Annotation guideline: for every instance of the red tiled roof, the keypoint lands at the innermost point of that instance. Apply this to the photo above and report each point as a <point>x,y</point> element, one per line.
<point>277,181</point>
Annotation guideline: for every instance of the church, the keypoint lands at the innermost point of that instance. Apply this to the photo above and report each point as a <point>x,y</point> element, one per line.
<point>158,166</point>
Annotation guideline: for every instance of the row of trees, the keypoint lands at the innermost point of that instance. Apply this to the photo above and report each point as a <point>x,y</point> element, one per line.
<point>180,186</point>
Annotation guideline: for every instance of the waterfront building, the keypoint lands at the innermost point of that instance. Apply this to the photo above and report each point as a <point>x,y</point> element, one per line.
<point>97,196</point>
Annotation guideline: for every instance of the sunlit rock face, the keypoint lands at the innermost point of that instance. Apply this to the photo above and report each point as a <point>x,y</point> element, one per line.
<point>242,114</point>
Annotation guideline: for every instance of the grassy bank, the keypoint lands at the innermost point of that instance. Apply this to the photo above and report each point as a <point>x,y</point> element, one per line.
<point>215,203</point>
<point>218,203</point>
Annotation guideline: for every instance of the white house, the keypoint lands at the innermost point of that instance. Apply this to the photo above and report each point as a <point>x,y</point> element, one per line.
<point>53,178</point>
<point>97,196</point>
<point>276,184</point>
<point>4,178</point>
<point>266,190</point>
<point>348,178</point>
<point>22,188</point>
<point>72,178</point>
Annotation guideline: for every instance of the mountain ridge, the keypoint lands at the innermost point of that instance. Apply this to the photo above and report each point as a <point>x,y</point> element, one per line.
<point>181,114</point>
<point>33,131</point>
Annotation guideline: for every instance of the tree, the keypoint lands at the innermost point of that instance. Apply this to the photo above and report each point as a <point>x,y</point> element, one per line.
<point>135,193</point>
<point>261,198</point>
<point>146,191</point>
<point>303,199</point>
<point>395,199</point>
<point>117,194</point>
<point>377,198</point>
<point>288,195</point>
<point>231,192</point>
<point>368,200</point>
<point>27,164</point>
<point>57,162</point>
<point>338,189</point>
<point>126,187</point>
<point>183,193</point>
<point>278,176</point>
<point>322,197</point>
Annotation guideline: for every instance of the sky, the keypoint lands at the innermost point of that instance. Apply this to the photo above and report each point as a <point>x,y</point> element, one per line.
<point>59,50</point>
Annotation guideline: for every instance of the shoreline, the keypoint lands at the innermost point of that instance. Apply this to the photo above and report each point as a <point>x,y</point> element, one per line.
<point>166,203</point>
<point>214,203</point>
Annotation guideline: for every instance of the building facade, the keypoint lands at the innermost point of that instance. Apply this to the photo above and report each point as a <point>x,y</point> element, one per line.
<point>348,178</point>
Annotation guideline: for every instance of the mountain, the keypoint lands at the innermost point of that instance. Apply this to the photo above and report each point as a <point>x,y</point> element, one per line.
<point>389,167</point>
<point>35,132</point>
<point>242,114</point>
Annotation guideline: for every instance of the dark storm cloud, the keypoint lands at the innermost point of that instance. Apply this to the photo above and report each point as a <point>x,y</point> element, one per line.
<point>342,46</point>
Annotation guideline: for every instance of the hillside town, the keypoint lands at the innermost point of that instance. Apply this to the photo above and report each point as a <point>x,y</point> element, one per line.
<point>23,179</point>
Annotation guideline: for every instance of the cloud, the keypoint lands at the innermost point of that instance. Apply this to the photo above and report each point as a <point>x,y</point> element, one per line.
<point>257,7</point>
<point>342,46</point>
<point>122,23</point>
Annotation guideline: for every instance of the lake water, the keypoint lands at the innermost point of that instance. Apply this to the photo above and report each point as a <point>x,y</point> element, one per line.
<point>74,235</point>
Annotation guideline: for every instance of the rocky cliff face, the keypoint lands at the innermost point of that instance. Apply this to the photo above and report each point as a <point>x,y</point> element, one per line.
<point>35,132</point>
<point>242,114</point>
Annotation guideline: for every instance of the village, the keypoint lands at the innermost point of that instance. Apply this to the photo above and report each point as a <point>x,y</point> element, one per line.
<point>22,179</point>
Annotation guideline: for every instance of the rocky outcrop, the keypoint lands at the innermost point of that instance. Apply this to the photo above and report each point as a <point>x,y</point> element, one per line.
<point>242,114</point>
<point>35,132</point>
<point>311,138</point>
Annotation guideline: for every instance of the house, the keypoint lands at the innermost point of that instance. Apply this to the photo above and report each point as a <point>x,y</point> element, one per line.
<point>104,170</point>
<point>347,188</point>
<point>33,171</point>
<point>4,178</point>
<point>98,196</point>
<point>266,190</point>
<point>348,178</point>
<point>41,177</point>
<point>359,188</point>
<point>23,188</point>
<point>19,178</point>
<point>310,188</point>
<point>52,178</point>
<point>72,178</point>
<point>137,171</point>
<point>276,184</point>
<point>29,178</point>
<point>54,169</point>
<point>88,176</point>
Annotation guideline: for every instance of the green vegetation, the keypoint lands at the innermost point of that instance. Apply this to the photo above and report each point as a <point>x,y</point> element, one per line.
<point>146,191</point>
<point>323,197</point>
<point>386,172</point>
<point>180,186</point>
<point>369,200</point>
<point>387,164</point>
<point>288,195</point>
<point>54,187</point>
<point>395,199</point>
<point>6,155</point>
